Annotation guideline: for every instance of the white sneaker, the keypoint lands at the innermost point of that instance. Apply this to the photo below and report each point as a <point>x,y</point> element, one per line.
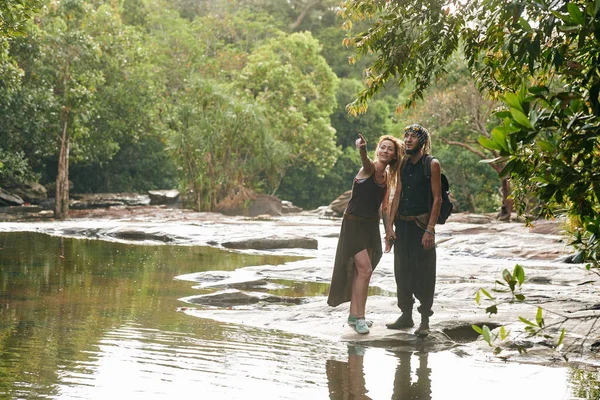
<point>361,326</point>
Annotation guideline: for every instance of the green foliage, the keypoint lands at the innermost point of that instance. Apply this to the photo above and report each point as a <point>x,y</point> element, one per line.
<point>474,185</point>
<point>309,190</point>
<point>14,15</point>
<point>373,124</point>
<point>491,338</point>
<point>456,115</point>
<point>585,384</point>
<point>541,58</point>
<point>218,142</point>
<point>533,328</point>
<point>412,40</point>
<point>292,81</point>
<point>15,169</point>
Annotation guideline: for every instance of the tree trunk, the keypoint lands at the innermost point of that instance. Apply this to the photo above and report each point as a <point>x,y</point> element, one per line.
<point>507,203</point>
<point>310,4</point>
<point>61,208</point>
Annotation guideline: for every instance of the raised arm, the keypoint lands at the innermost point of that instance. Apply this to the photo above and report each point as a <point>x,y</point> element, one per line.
<point>368,168</point>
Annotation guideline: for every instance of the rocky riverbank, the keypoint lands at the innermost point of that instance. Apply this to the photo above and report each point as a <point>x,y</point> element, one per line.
<point>473,251</point>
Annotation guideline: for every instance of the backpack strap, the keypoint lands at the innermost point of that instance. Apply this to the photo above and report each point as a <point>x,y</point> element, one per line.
<point>427,165</point>
<point>427,169</point>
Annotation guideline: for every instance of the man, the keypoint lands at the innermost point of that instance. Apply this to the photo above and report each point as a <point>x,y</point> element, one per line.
<point>414,217</point>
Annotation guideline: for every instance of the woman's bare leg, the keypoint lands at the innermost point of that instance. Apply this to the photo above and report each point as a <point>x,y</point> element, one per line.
<point>360,283</point>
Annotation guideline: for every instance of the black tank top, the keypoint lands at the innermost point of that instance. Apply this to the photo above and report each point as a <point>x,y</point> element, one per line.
<point>366,198</point>
<point>415,189</point>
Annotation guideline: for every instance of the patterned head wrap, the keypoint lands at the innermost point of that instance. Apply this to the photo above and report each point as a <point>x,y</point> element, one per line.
<point>422,135</point>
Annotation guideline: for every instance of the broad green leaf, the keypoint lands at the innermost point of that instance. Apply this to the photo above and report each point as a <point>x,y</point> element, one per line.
<point>488,143</point>
<point>502,114</point>
<point>509,126</point>
<point>477,329</point>
<point>564,17</point>
<point>568,28</point>
<point>493,160</point>
<point>539,318</point>
<point>519,274</point>
<point>525,25</point>
<point>520,117</point>
<point>508,168</point>
<point>486,334</point>
<point>492,309</point>
<point>477,298</point>
<point>513,101</point>
<point>503,333</point>
<point>500,138</point>
<point>539,179</point>
<point>526,321</point>
<point>489,296</point>
<point>575,13</point>
<point>519,297</point>
<point>507,276</point>
<point>538,89</point>
<point>546,146</point>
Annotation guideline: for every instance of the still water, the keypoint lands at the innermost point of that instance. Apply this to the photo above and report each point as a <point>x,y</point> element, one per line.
<point>89,319</point>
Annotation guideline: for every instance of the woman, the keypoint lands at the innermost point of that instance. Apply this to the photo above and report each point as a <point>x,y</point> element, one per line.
<point>359,247</point>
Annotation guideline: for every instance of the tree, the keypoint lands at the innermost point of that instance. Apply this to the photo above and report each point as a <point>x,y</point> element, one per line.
<point>64,65</point>
<point>218,142</point>
<point>457,114</point>
<point>14,14</point>
<point>80,91</point>
<point>290,78</point>
<point>540,57</point>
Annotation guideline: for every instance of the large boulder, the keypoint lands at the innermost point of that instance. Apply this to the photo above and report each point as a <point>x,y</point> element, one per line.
<point>9,199</point>
<point>287,207</point>
<point>105,200</point>
<point>159,197</point>
<point>32,193</point>
<point>260,204</point>
<point>338,206</point>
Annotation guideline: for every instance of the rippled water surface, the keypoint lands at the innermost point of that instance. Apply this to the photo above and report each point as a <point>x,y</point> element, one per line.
<point>89,319</point>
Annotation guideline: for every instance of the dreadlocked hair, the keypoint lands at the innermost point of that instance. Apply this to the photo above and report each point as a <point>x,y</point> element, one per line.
<point>421,132</point>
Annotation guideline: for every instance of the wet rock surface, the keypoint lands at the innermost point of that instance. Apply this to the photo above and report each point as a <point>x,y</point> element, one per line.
<point>472,253</point>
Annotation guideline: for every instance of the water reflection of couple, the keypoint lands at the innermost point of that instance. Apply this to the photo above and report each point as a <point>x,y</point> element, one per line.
<point>346,380</point>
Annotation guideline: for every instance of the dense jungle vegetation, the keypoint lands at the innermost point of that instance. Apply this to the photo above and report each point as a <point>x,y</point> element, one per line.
<point>212,98</point>
<point>225,97</point>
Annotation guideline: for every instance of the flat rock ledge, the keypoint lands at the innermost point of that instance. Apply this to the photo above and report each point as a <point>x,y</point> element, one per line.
<point>269,243</point>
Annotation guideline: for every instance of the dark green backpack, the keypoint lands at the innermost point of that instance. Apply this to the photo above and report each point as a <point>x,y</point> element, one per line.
<point>446,208</point>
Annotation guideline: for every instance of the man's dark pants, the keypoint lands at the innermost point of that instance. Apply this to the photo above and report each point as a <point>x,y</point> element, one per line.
<point>414,268</point>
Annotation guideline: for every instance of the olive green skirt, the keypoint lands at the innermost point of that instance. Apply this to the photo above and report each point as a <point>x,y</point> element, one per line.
<point>356,234</point>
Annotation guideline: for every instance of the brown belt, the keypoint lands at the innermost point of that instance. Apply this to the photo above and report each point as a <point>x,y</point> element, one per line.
<point>411,217</point>
<point>358,218</point>
<point>421,220</point>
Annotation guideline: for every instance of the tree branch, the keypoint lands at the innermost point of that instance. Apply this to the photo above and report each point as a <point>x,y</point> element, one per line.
<point>309,5</point>
<point>466,146</point>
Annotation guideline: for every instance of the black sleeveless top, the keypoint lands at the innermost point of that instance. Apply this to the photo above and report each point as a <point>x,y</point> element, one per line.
<point>366,198</point>
<point>415,189</point>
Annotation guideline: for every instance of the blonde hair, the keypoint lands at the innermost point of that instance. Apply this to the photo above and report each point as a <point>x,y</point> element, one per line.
<point>393,167</point>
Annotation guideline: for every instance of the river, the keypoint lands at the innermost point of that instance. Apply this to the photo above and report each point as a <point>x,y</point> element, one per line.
<point>96,319</point>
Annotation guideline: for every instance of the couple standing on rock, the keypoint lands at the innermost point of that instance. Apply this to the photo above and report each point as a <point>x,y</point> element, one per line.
<point>398,166</point>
